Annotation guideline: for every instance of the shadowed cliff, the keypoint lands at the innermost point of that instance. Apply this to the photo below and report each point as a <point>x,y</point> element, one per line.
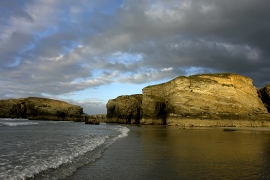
<point>125,109</point>
<point>264,94</point>
<point>40,109</point>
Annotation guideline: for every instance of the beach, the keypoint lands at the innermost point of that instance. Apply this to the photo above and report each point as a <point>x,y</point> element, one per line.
<point>165,152</point>
<point>68,150</point>
<point>45,150</point>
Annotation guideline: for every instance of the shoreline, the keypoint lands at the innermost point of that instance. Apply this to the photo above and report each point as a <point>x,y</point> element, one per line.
<point>190,122</point>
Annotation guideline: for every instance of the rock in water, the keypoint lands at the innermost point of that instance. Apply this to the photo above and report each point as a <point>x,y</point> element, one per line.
<point>99,117</point>
<point>125,109</point>
<point>206,96</point>
<point>91,120</point>
<point>264,94</point>
<point>40,109</point>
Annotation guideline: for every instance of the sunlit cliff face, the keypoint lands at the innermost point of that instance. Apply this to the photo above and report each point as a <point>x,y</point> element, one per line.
<point>217,99</point>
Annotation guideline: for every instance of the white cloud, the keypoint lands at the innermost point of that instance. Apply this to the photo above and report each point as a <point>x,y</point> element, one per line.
<point>90,106</point>
<point>167,69</point>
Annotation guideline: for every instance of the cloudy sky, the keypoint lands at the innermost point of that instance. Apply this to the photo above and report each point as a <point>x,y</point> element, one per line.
<point>89,51</point>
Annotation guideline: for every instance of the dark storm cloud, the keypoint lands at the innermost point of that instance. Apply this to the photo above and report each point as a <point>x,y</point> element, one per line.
<point>226,36</point>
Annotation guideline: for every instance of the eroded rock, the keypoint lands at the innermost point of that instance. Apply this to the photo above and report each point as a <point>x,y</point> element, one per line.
<point>91,120</point>
<point>100,117</point>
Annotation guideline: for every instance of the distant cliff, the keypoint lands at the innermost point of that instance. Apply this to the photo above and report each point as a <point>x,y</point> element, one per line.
<point>124,109</point>
<point>40,109</point>
<point>199,100</point>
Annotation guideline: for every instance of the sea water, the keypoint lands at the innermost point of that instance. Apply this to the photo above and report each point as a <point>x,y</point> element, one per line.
<point>71,151</point>
<point>51,149</point>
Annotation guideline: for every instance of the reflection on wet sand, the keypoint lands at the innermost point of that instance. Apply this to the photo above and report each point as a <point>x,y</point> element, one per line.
<point>208,152</point>
<point>163,152</point>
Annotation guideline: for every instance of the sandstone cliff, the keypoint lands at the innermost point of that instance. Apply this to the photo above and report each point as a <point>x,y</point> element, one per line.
<point>199,100</point>
<point>207,96</point>
<point>40,109</point>
<point>124,109</point>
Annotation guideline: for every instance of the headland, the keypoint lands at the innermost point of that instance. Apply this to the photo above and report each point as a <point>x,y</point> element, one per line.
<point>222,100</point>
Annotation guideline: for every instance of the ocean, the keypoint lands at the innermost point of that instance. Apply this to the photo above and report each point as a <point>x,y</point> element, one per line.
<point>51,149</point>
<point>71,151</point>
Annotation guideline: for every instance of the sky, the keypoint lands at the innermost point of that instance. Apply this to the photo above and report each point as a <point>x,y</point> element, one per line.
<point>86,52</point>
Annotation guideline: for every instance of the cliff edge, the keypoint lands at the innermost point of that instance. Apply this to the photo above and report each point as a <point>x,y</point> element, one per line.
<point>40,109</point>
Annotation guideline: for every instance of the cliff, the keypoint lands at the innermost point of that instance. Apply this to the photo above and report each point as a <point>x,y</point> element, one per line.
<point>199,97</point>
<point>264,94</point>
<point>99,117</point>
<point>124,109</point>
<point>200,100</point>
<point>40,109</point>
<point>95,119</point>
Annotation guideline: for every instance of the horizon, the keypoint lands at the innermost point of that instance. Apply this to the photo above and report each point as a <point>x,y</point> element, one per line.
<point>87,52</point>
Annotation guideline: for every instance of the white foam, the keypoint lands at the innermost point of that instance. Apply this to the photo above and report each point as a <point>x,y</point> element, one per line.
<point>62,159</point>
<point>11,119</point>
<point>123,130</point>
<point>57,158</point>
<point>19,123</point>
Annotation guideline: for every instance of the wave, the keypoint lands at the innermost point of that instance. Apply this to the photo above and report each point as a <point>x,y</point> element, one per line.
<point>13,119</point>
<point>18,123</point>
<point>64,161</point>
<point>123,130</point>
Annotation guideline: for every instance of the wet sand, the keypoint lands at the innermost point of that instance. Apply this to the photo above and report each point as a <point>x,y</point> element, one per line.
<point>265,129</point>
<point>163,152</point>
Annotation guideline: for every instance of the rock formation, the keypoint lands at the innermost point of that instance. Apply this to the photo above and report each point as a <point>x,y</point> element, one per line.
<point>91,120</point>
<point>40,109</point>
<point>124,109</point>
<point>198,97</point>
<point>264,94</point>
<point>99,117</point>
<point>198,100</point>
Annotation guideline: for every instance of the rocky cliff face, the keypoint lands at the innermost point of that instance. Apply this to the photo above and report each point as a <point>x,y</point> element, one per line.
<point>207,96</point>
<point>199,100</point>
<point>124,109</point>
<point>264,94</point>
<point>40,109</point>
